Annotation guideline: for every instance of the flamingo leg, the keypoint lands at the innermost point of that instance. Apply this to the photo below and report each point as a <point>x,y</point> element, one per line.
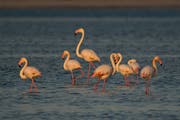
<point>96,85</point>
<point>35,86</point>
<point>147,87</point>
<point>89,69</point>
<point>73,79</point>
<point>82,74</point>
<point>92,64</point>
<point>104,84</point>
<point>137,77</point>
<point>126,81</point>
<point>30,89</point>
<point>88,76</point>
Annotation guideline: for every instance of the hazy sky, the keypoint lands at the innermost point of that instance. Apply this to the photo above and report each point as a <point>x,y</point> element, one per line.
<point>88,3</point>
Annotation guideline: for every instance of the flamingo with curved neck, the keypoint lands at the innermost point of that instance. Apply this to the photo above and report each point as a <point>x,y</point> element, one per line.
<point>86,54</point>
<point>103,72</point>
<point>70,65</point>
<point>124,69</point>
<point>135,67</point>
<point>148,72</point>
<point>29,72</point>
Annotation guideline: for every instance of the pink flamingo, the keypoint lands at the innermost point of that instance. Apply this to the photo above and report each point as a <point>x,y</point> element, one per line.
<point>71,65</point>
<point>86,54</point>
<point>124,69</point>
<point>103,72</point>
<point>29,72</point>
<point>135,67</point>
<point>148,72</point>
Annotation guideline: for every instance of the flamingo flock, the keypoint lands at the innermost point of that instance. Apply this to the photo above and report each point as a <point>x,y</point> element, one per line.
<point>102,72</point>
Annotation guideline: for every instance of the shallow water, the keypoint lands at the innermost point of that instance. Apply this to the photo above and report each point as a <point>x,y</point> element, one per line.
<point>43,39</point>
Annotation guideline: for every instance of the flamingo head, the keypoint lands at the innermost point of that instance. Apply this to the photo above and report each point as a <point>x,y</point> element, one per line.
<point>64,54</point>
<point>80,30</point>
<point>158,59</point>
<point>22,61</point>
<point>116,58</point>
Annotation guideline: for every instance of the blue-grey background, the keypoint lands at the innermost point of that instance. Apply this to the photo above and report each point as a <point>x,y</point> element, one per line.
<point>41,35</point>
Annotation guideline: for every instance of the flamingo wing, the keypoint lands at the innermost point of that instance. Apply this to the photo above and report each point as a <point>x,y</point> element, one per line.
<point>146,72</point>
<point>103,71</point>
<point>32,72</point>
<point>135,67</point>
<point>125,69</point>
<point>73,64</point>
<point>89,55</point>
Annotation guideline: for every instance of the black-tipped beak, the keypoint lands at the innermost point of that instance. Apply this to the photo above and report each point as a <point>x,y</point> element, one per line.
<point>19,66</point>
<point>163,66</point>
<point>62,57</point>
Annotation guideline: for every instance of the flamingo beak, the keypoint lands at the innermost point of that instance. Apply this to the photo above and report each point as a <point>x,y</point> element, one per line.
<point>19,65</point>
<point>75,34</point>
<point>161,63</point>
<point>62,56</point>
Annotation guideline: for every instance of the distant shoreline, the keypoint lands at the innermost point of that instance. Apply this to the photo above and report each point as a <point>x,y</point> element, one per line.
<point>91,7</point>
<point>28,4</point>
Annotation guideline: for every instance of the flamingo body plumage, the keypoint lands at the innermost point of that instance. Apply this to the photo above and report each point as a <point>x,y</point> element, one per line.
<point>147,72</point>
<point>72,65</point>
<point>124,69</point>
<point>134,65</point>
<point>29,72</point>
<point>89,55</point>
<point>102,72</point>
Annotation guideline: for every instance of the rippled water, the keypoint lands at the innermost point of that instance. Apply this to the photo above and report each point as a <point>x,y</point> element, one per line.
<point>43,39</point>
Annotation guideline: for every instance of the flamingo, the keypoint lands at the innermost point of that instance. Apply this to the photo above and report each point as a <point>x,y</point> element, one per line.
<point>148,72</point>
<point>103,72</point>
<point>29,72</point>
<point>86,54</point>
<point>135,67</point>
<point>70,65</point>
<point>124,69</point>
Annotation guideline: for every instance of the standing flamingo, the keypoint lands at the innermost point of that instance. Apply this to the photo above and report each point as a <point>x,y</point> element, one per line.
<point>135,67</point>
<point>29,72</point>
<point>103,72</point>
<point>124,69</point>
<point>86,54</point>
<point>148,72</point>
<point>71,65</point>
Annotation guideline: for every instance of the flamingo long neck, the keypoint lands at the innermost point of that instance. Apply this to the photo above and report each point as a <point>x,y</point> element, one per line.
<point>154,66</point>
<point>117,64</point>
<point>112,62</point>
<point>67,59</point>
<point>79,44</point>
<point>22,70</point>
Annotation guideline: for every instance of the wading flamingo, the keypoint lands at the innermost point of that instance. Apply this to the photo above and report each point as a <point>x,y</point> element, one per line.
<point>71,65</point>
<point>124,69</point>
<point>29,72</point>
<point>103,72</point>
<point>135,67</point>
<point>148,72</point>
<point>86,54</point>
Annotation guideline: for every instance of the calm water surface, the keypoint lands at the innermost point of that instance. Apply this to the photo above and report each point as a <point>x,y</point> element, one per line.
<point>43,37</point>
